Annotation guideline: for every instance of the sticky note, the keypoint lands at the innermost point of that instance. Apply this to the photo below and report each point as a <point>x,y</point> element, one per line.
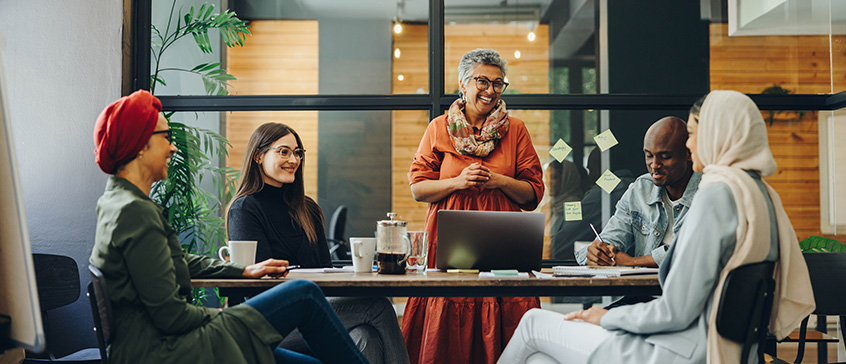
<point>560,150</point>
<point>573,211</point>
<point>605,140</point>
<point>505,272</point>
<point>608,181</point>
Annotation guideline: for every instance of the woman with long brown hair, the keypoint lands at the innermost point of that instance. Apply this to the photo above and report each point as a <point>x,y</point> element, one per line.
<point>270,206</point>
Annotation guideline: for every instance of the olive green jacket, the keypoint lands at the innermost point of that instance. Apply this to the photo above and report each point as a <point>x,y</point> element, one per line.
<point>148,276</point>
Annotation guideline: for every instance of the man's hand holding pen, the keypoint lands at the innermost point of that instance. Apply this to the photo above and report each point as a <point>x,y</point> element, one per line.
<point>599,253</point>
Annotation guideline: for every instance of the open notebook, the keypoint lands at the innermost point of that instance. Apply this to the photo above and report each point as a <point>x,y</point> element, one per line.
<point>591,271</point>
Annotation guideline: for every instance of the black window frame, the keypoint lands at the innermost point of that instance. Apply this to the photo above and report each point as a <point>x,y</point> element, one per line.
<point>436,101</point>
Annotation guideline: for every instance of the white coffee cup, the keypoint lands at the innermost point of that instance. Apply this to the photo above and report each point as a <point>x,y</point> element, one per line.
<point>363,250</point>
<point>240,251</point>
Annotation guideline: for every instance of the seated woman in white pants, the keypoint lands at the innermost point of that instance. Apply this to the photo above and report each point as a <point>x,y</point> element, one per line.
<point>737,219</point>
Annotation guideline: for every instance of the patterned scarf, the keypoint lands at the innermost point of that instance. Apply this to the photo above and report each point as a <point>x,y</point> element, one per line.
<point>461,132</point>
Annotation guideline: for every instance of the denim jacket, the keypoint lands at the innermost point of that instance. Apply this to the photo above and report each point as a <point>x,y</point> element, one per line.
<point>637,227</point>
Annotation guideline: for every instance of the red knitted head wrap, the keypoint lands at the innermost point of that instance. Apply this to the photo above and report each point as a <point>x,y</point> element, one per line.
<point>123,129</point>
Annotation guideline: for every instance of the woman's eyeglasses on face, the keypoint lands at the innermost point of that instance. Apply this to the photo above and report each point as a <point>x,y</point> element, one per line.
<point>168,134</point>
<point>286,152</point>
<point>482,84</point>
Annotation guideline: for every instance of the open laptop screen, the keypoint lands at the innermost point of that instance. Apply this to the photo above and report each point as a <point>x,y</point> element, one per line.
<point>488,240</point>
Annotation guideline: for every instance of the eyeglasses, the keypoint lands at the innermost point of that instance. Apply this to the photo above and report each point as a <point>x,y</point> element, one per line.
<point>286,152</point>
<point>168,134</point>
<point>482,84</point>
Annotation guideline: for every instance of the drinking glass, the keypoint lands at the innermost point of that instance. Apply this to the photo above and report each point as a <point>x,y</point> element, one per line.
<point>417,251</point>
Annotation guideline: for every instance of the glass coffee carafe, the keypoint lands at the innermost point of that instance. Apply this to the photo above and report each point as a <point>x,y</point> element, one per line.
<point>391,245</point>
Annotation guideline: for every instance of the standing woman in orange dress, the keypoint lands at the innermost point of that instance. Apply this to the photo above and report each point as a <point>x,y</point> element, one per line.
<point>474,158</point>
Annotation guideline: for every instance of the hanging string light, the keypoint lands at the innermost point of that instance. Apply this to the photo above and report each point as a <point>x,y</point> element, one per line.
<point>397,28</point>
<point>396,53</point>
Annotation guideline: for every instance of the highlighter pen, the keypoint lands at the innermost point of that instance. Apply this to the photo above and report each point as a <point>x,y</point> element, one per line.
<point>613,261</point>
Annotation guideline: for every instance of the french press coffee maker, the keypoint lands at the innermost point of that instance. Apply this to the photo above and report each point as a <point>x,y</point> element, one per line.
<point>391,245</point>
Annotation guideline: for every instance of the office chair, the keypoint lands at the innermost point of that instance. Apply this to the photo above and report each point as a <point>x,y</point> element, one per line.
<point>338,247</point>
<point>827,272</point>
<point>57,279</point>
<point>101,308</point>
<point>743,312</point>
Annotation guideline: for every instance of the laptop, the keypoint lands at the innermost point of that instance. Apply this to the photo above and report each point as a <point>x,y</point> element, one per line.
<point>486,240</point>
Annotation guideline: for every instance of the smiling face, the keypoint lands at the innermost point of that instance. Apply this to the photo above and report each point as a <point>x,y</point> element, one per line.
<point>667,158</point>
<point>276,170</point>
<point>481,102</point>
<point>155,156</point>
<point>692,129</point>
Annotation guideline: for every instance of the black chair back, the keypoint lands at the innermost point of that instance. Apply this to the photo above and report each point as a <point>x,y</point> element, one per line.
<point>338,247</point>
<point>57,278</point>
<point>101,308</point>
<point>746,301</point>
<point>58,283</point>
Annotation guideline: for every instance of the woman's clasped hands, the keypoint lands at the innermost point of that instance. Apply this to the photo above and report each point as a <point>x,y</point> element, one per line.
<point>477,175</point>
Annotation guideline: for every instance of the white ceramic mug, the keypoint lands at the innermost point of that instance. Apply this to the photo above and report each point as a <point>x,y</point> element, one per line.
<point>363,250</point>
<point>240,251</point>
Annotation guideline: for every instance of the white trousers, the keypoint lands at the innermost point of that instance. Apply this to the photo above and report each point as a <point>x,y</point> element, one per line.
<point>545,337</point>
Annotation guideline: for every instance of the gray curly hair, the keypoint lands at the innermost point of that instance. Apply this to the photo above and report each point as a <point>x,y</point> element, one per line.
<point>476,58</point>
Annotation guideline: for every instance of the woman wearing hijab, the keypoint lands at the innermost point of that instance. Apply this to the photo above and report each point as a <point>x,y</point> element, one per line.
<point>270,207</point>
<point>739,220</point>
<point>476,157</point>
<point>149,275</point>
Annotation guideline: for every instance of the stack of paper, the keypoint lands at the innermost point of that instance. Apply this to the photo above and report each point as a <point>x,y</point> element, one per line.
<point>591,271</point>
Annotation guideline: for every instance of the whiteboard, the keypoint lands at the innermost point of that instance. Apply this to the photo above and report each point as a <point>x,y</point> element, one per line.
<point>18,293</point>
<point>832,124</point>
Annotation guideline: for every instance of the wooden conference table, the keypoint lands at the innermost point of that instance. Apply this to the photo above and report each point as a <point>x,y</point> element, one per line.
<point>442,284</point>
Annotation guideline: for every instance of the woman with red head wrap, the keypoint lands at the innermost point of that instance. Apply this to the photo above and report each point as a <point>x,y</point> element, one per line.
<point>149,274</point>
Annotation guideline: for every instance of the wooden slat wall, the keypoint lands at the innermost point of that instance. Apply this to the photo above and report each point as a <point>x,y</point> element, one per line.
<point>526,75</point>
<point>279,58</point>
<point>802,65</point>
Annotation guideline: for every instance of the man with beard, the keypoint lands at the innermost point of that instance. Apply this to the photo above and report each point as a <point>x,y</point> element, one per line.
<point>652,211</point>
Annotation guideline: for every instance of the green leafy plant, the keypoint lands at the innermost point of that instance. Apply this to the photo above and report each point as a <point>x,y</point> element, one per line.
<point>776,89</point>
<point>819,244</point>
<point>192,211</point>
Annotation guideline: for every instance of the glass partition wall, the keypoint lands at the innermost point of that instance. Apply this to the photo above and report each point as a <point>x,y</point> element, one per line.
<point>360,81</point>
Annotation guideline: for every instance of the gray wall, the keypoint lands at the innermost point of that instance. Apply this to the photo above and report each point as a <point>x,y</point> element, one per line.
<point>61,64</point>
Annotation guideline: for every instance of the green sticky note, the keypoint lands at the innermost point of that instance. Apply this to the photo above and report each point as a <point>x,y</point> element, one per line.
<point>573,211</point>
<point>605,140</point>
<point>505,272</point>
<point>560,150</point>
<point>608,181</point>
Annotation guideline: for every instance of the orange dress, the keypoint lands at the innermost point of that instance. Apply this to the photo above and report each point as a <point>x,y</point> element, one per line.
<point>468,329</point>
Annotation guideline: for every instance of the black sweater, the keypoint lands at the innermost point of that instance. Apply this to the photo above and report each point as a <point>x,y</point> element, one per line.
<point>264,217</point>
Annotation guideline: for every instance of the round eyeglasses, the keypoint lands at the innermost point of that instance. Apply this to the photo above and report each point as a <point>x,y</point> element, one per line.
<point>286,152</point>
<point>482,84</point>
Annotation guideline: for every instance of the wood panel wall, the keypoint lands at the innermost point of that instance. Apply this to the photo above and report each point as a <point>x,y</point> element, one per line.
<point>801,64</point>
<point>279,58</point>
<point>528,74</point>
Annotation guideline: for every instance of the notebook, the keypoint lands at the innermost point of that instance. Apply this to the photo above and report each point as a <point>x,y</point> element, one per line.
<point>590,271</point>
<point>486,240</point>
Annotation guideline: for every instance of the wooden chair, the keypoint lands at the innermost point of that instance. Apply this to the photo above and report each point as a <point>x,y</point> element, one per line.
<point>101,308</point>
<point>743,313</point>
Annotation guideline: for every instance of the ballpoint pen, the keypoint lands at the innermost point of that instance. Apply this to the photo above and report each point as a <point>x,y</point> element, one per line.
<point>613,261</point>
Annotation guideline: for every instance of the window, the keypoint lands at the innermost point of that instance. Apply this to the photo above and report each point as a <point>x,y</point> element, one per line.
<point>363,91</point>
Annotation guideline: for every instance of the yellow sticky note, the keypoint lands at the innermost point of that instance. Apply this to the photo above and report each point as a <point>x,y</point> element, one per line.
<point>560,150</point>
<point>573,211</point>
<point>608,181</point>
<point>605,140</point>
